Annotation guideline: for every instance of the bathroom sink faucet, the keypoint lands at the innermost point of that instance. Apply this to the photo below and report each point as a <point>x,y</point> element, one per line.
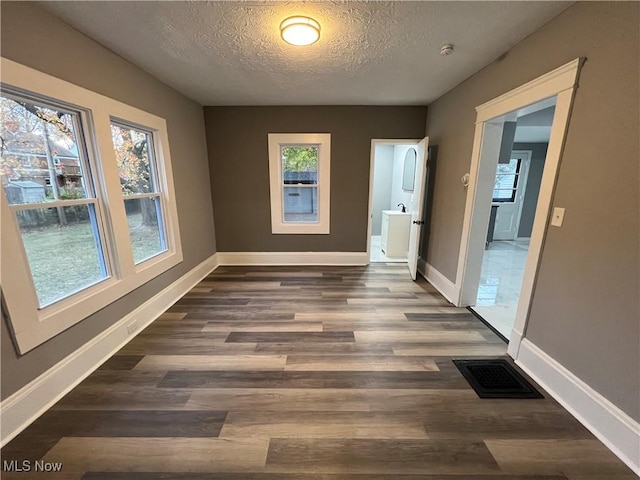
<point>404,209</point>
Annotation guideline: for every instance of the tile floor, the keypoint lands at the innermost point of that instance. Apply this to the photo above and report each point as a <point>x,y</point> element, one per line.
<point>377,255</point>
<point>500,283</point>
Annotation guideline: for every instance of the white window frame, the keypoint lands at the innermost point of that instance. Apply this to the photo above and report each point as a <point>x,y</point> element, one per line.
<point>323,142</point>
<point>30,324</point>
<point>156,186</point>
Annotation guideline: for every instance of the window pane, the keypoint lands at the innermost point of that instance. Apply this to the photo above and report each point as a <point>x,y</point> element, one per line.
<point>145,227</point>
<point>39,156</point>
<point>507,195</point>
<point>132,149</point>
<point>511,167</point>
<point>505,181</point>
<point>300,165</point>
<point>63,248</point>
<point>300,204</point>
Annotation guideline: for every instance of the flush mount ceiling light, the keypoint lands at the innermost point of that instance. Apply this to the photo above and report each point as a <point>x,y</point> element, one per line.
<point>300,30</point>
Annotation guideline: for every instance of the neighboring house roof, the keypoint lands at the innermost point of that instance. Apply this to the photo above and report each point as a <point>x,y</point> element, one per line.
<point>68,162</point>
<point>25,184</point>
<point>33,143</point>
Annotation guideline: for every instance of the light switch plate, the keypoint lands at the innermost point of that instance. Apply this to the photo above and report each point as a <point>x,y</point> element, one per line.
<point>558,217</point>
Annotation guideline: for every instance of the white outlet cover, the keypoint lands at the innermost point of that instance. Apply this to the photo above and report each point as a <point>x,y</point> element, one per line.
<point>558,217</point>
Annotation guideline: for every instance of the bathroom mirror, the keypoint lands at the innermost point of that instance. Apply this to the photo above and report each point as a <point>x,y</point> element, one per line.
<point>409,171</point>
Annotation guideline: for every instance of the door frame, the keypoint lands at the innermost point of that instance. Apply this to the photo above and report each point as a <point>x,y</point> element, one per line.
<point>372,159</point>
<point>561,84</point>
<point>413,142</point>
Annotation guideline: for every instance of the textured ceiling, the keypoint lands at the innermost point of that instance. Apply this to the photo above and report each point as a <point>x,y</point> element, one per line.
<point>369,53</point>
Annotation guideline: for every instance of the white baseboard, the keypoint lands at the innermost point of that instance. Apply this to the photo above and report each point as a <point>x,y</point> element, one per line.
<point>27,404</point>
<point>441,283</point>
<point>515,340</point>
<point>293,258</point>
<point>422,267</point>
<point>619,432</point>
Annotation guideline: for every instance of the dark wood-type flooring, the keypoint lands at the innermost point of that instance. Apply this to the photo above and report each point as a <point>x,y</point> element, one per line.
<point>307,373</point>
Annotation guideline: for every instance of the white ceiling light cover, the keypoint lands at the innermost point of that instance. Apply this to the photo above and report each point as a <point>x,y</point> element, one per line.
<point>300,31</point>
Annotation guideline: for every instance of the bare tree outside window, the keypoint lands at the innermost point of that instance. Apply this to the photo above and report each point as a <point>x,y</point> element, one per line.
<point>134,155</point>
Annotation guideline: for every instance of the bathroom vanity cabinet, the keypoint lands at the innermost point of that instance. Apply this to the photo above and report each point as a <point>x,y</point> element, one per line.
<point>394,239</point>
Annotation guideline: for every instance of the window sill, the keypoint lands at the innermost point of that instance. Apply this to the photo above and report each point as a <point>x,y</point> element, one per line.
<point>33,330</point>
<point>300,229</point>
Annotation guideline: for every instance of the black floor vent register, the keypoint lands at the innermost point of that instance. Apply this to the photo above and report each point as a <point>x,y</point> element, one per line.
<point>496,378</point>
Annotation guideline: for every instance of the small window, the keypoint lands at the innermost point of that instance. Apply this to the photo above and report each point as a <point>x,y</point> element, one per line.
<point>299,169</point>
<point>507,181</point>
<point>134,150</point>
<point>300,183</point>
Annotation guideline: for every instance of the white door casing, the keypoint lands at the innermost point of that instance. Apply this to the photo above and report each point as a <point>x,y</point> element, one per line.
<point>488,138</point>
<point>509,213</point>
<point>372,163</point>
<point>417,206</point>
<point>559,83</point>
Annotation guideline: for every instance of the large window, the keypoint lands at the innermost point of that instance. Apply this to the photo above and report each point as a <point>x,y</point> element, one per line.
<point>299,168</point>
<point>142,199</point>
<point>48,183</point>
<point>87,202</point>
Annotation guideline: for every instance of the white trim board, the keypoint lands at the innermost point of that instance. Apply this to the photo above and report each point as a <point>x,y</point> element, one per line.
<point>441,283</point>
<point>558,80</point>
<point>322,141</point>
<point>27,404</point>
<point>619,432</point>
<point>293,258</point>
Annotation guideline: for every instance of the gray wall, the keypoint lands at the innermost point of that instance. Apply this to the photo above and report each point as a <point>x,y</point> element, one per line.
<point>382,175</point>
<point>506,143</point>
<point>532,190</point>
<point>585,305</point>
<point>237,144</point>
<point>35,38</point>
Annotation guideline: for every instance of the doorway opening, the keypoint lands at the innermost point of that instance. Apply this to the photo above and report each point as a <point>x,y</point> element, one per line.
<point>557,89</point>
<point>396,195</point>
<point>518,166</point>
<point>391,204</point>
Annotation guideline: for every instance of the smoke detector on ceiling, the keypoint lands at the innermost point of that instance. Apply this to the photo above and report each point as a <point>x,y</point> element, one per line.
<point>446,50</point>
